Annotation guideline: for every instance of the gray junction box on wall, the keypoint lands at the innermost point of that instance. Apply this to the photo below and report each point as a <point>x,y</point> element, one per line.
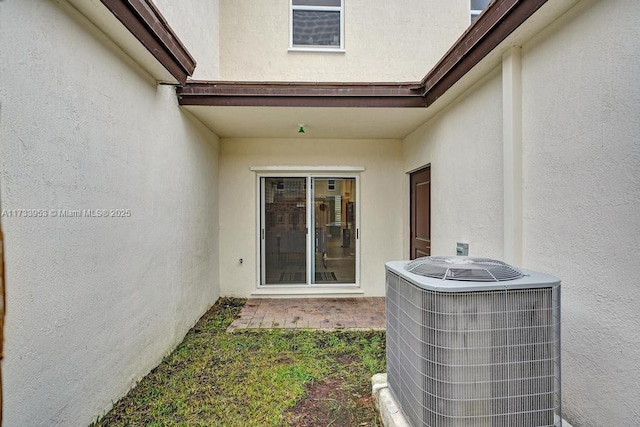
<point>473,342</point>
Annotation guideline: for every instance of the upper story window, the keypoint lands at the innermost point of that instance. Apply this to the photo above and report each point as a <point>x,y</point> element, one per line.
<point>476,8</point>
<point>317,25</point>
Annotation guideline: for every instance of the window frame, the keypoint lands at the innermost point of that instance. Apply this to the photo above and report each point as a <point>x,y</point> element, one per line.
<point>474,13</point>
<point>316,48</point>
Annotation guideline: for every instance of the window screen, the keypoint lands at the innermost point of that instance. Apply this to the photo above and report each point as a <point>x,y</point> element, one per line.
<point>316,23</point>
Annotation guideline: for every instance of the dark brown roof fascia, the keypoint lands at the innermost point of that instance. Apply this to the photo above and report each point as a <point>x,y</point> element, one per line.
<point>396,95</point>
<point>493,26</point>
<point>146,23</point>
<point>499,19</point>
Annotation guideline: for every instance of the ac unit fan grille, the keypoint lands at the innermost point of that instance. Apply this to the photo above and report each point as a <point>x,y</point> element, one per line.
<point>463,269</point>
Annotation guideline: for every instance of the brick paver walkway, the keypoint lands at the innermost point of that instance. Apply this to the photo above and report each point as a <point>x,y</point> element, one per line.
<point>312,313</point>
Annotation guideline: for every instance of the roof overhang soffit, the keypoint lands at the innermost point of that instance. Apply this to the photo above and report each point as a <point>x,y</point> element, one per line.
<point>498,20</point>
<point>149,39</point>
<point>493,26</point>
<point>397,95</point>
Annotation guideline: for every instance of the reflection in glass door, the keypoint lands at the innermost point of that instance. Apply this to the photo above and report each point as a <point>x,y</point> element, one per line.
<point>302,246</point>
<point>334,244</point>
<point>284,225</point>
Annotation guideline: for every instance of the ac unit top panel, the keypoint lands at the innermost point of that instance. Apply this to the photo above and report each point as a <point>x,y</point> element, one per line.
<point>529,280</point>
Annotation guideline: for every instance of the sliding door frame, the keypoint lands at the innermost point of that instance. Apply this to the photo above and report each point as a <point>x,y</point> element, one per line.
<point>309,174</point>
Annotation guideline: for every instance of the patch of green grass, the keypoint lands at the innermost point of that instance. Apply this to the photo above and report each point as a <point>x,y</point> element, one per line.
<point>254,378</point>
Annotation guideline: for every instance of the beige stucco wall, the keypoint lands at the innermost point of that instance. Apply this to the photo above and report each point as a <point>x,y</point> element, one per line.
<point>382,42</point>
<point>380,200</point>
<point>580,192</point>
<point>581,104</point>
<point>93,304</point>
<point>463,144</point>
<point>197,25</point>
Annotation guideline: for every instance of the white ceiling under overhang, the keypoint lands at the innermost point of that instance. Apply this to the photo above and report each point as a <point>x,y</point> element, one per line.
<point>319,122</point>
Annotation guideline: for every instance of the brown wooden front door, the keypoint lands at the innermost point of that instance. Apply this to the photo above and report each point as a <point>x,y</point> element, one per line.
<point>421,213</point>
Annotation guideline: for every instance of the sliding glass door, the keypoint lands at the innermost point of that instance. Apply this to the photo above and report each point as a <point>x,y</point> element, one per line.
<point>284,230</point>
<point>308,230</point>
<point>334,243</point>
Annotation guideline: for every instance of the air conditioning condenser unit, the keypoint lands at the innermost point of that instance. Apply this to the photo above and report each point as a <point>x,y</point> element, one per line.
<point>473,342</point>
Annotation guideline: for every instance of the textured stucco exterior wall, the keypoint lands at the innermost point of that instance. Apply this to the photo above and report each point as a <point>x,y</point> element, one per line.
<point>382,42</point>
<point>93,304</point>
<point>463,144</point>
<point>380,200</point>
<point>580,192</point>
<point>196,22</point>
<point>582,199</point>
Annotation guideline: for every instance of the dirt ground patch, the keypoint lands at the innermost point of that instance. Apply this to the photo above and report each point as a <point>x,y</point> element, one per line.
<point>328,404</point>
